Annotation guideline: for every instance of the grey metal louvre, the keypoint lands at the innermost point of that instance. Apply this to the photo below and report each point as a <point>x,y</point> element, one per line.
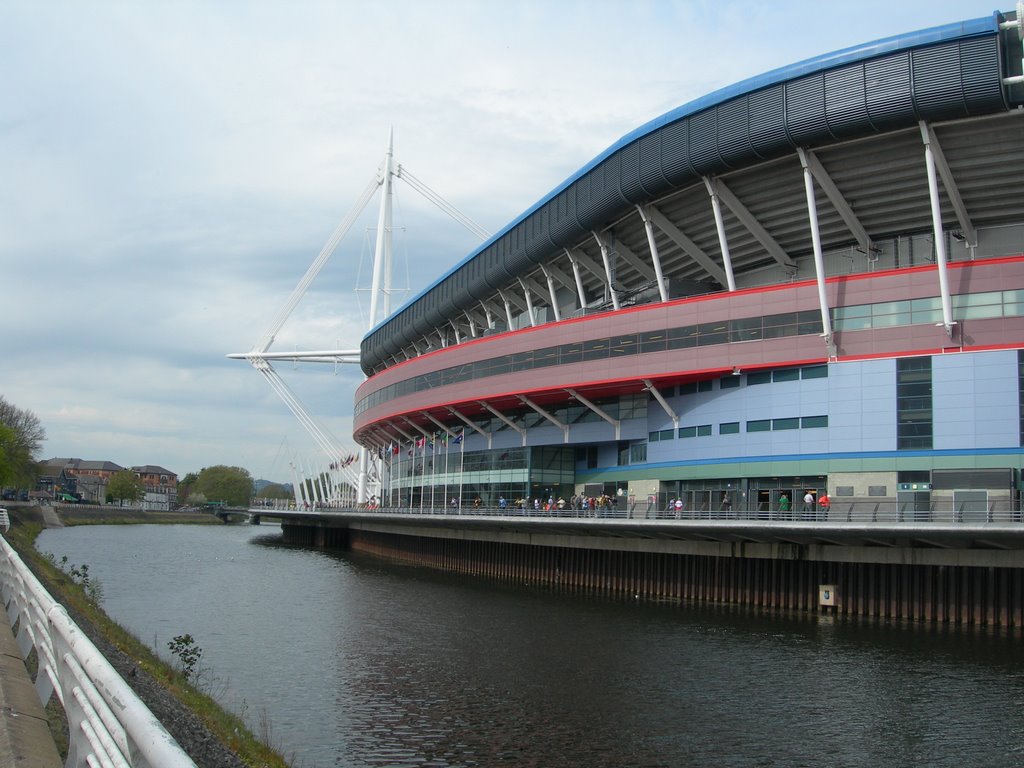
<point>805,110</point>
<point>652,176</point>
<point>734,133</point>
<point>675,154</point>
<point>516,260</point>
<point>982,78</point>
<point>420,324</point>
<point>632,188</point>
<point>846,104</point>
<point>538,237</point>
<point>938,85</point>
<point>583,198</point>
<point>605,197</point>
<point>766,111</point>
<point>565,229</point>
<point>703,133</point>
<point>495,273</point>
<point>887,86</point>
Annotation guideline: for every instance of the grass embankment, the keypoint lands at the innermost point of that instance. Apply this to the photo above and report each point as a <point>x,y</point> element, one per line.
<point>226,727</point>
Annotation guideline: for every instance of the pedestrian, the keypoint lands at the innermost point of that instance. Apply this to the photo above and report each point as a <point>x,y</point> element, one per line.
<point>824,502</point>
<point>726,503</point>
<point>502,503</point>
<point>808,503</point>
<point>678,504</point>
<point>784,505</point>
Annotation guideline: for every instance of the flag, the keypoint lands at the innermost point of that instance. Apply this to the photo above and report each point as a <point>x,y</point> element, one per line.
<point>458,437</point>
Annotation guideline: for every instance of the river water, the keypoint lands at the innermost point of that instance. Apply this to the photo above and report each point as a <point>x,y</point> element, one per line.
<point>340,660</point>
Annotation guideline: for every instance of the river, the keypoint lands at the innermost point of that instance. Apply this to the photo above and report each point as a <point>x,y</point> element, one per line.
<point>340,660</point>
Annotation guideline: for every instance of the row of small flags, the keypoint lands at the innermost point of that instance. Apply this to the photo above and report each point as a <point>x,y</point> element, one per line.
<point>423,443</point>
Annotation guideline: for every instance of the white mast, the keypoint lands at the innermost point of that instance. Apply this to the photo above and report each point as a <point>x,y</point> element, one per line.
<point>381,285</point>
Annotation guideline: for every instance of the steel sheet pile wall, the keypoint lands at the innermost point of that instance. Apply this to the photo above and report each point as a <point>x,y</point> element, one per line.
<point>956,594</point>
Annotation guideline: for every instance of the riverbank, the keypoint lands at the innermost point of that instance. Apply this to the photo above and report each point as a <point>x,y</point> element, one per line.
<point>212,737</point>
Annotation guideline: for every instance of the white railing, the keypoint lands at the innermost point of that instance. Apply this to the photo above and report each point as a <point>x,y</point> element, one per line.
<point>108,724</point>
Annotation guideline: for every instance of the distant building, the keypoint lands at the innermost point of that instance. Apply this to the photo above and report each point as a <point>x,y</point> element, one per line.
<point>71,478</point>
<point>161,486</point>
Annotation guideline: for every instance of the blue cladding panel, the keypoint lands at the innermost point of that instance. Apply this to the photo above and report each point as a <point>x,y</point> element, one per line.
<point>975,400</point>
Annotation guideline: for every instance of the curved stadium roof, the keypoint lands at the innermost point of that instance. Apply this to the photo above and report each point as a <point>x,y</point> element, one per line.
<point>748,135</point>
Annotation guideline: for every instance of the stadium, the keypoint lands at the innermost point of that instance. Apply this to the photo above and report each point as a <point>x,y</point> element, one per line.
<point>811,281</point>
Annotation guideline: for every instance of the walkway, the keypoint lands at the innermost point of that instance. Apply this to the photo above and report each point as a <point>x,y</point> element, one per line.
<point>25,739</point>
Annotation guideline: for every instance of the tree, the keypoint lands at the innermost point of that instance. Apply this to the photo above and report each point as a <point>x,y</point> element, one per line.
<point>186,487</point>
<point>232,485</point>
<point>274,491</point>
<point>125,486</point>
<point>19,446</point>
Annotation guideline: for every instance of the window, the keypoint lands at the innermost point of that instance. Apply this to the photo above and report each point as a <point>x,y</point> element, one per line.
<point>703,430</point>
<point>729,428</point>
<point>624,345</point>
<point>787,374</point>
<point>914,403</point>
<point>653,341</point>
<point>759,377</point>
<point>745,329</point>
<point>761,425</point>
<point>694,387</point>
<point>687,431</point>
<point>814,372</point>
<point>638,453</point>
<point>682,338</point>
<point>729,382</point>
<point>595,349</point>
<point>813,422</point>
<point>713,333</point>
<point>780,424</point>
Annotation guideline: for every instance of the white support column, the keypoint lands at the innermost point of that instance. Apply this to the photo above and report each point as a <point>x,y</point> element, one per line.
<point>939,235</point>
<point>723,242</point>
<point>455,329</point>
<point>564,427</point>
<point>649,228</point>
<point>819,259</point>
<point>508,308</point>
<point>596,409</point>
<point>488,315</point>
<point>472,324</point>
<point>471,424</point>
<point>578,278</point>
<point>508,422</point>
<point>606,258</point>
<point>529,302</point>
<point>551,292</point>
<point>662,402</point>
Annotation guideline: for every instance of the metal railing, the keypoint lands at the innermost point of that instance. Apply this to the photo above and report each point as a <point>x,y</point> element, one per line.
<point>108,725</point>
<point>880,513</point>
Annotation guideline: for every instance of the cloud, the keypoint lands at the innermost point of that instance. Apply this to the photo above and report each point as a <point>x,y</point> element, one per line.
<point>170,170</point>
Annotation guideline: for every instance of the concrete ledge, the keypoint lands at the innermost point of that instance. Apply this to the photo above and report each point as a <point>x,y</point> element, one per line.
<point>25,739</point>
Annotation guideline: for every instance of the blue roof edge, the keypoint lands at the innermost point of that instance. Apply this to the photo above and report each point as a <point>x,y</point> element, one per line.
<point>984,25</point>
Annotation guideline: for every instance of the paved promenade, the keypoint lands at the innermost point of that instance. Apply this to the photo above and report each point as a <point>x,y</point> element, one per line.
<point>25,740</point>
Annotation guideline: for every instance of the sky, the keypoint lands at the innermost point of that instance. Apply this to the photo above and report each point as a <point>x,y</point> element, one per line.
<point>169,171</point>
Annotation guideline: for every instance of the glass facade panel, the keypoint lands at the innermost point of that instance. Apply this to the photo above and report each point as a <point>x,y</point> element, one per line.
<point>729,428</point>
<point>761,425</point>
<point>914,403</point>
